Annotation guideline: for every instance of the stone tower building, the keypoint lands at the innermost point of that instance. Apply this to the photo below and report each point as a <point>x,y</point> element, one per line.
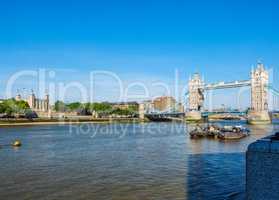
<point>259,96</point>
<point>46,103</point>
<point>31,100</point>
<point>141,111</point>
<point>41,105</point>
<point>259,83</point>
<point>196,97</point>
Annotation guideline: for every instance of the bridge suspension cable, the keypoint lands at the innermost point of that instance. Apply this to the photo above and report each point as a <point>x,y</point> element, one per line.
<point>275,94</point>
<point>185,101</point>
<point>273,90</point>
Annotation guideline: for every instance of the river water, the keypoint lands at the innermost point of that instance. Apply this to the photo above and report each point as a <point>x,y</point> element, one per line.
<point>122,162</point>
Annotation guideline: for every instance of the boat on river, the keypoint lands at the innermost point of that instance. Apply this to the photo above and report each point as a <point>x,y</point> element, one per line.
<point>208,131</point>
<point>233,132</point>
<point>225,133</point>
<point>198,132</point>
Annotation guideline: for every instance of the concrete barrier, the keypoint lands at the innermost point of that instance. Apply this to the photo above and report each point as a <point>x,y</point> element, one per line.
<point>262,169</point>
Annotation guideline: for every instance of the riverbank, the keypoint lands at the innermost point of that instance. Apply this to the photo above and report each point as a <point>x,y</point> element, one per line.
<point>26,122</point>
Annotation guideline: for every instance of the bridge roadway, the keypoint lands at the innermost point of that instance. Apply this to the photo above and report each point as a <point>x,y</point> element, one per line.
<point>178,116</point>
<point>240,113</point>
<point>223,85</point>
<point>160,116</point>
<point>233,84</point>
<point>175,116</point>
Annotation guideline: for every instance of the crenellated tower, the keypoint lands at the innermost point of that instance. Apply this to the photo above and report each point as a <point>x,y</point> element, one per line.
<point>196,98</point>
<point>32,100</point>
<point>259,96</point>
<point>259,83</point>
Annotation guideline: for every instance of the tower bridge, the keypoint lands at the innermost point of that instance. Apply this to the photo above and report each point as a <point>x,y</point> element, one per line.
<point>258,82</point>
<point>257,114</point>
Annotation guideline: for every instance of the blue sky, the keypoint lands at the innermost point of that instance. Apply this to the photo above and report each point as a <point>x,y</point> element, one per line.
<point>139,40</point>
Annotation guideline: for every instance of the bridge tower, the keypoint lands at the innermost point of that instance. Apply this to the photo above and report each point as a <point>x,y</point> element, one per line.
<point>141,111</point>
<point>258,113</point>
<point>195,99</point>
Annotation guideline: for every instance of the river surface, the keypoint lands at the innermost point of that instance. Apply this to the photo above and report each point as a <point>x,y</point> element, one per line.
<point>122,162</point>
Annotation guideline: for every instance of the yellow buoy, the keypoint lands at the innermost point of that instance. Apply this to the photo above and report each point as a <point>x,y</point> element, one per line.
<point>16,143</point>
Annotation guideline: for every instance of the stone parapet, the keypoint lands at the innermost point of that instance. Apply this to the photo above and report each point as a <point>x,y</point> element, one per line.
<point>262,169</point>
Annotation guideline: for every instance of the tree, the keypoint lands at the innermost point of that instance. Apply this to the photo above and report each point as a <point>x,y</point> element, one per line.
<point>76,106</point>
<point>2,108</point>
<point>59,106</point>
<point>9,111</point>
<point>100,107</point>
<point>87,108</point>
<point>119,111</point>
<point>133,108</point>
<point>22,107</point>
<point>11,106</point>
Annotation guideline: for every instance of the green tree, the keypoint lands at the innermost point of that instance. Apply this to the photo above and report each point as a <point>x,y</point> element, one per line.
<point>9,111</point>
<point>100,107</point>
<point>87,108</point>
<point>59,106</point>
<point>2,108</point>
<point>22,107</point>
<point>119,111</point>
<point>11,106</point>
<point>74,106</point>
<point>133,108</point>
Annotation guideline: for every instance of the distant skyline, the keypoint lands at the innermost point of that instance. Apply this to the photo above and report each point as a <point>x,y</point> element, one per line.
<point>143,41</point>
